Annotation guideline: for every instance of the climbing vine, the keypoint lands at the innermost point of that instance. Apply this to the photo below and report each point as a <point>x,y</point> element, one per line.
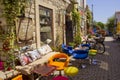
<point>11,10</point>
<point>76,24</point>
<point>88,18</point>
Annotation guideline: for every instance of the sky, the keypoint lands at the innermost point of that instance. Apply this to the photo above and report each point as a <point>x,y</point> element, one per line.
<point>103,9</point>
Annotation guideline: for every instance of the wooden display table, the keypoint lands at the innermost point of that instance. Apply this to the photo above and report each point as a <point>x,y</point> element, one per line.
<point>44,70</point>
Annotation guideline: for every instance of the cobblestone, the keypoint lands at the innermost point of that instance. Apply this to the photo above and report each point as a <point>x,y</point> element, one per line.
<point>107,69</point>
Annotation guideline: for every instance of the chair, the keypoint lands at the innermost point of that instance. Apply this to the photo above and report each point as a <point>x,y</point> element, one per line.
<point>1,79</point>
<point>59,77</point>
<point>87,46</point>
<point>71,71</point>
<point>19,77</point>
<point>92,53</point>
<point>80,54</point>
<point>67,49</point>
<point>60,60</point>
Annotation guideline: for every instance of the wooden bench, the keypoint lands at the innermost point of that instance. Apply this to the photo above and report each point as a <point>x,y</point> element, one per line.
<point>8,74</point>
<point>27,69</point>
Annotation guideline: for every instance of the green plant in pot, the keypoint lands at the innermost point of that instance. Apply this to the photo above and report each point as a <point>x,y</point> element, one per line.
<point>8,52</point>
<point>9,63</point>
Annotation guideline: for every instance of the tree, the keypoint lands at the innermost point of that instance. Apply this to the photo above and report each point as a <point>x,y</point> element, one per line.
<point>110,23</point>
<point>101,25</point>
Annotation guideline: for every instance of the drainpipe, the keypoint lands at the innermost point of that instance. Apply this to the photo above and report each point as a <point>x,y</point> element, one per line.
<point>37,33</point>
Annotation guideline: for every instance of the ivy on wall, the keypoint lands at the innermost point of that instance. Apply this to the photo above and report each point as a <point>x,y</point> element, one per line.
<point>76,24</point>
<point>11,10</point>
<point>88,18</point>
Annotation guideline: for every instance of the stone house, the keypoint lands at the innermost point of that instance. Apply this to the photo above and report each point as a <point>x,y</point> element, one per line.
<point>44,19</point>
<point>82,9</point>
<point>48,21</point>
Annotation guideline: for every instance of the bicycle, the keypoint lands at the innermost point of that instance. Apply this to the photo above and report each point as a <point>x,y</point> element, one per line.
<point>96,43</point>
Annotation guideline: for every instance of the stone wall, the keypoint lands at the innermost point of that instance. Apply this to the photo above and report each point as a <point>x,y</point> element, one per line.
<point>25,27</point>
<point>30,13</point>
<point>59,19</point>
<point>60,7</point>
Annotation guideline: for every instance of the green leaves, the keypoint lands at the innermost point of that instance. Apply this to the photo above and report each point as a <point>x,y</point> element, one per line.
<point>76,22</point>
<point>76,17</point>
<point>110,23</point>
<point>12,8</point>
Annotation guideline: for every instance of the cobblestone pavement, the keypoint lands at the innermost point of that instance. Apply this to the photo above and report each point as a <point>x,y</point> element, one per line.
<point>108,67</point>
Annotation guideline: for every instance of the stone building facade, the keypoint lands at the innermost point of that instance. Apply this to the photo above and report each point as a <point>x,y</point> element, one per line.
<point>44,19</point>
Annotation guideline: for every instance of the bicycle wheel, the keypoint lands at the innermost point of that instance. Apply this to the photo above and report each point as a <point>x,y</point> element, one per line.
<point>100,48</point>
<point>91,43</point>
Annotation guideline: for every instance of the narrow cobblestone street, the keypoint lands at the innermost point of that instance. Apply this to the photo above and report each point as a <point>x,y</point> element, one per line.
<point>107,68</point>
<point>44,40</point>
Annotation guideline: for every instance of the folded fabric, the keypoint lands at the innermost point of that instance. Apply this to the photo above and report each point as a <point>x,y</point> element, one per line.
<point>44,49</point>
<point>34,55</point>
<point>23,59</point>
